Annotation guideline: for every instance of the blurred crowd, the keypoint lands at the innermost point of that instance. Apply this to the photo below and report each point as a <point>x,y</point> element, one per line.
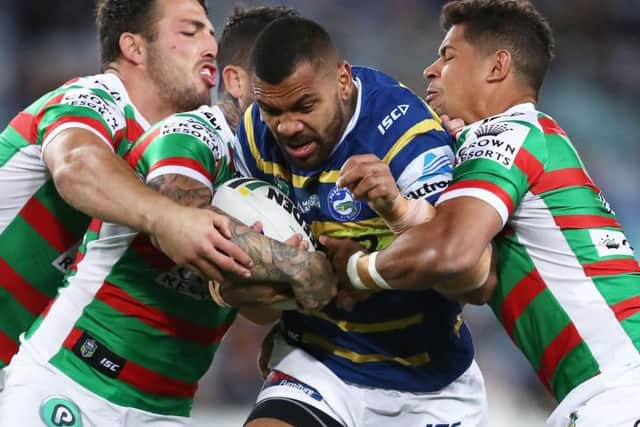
<point>592,91</point>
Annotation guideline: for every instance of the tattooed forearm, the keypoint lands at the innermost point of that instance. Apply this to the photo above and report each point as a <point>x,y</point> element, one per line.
<point>184,190</point>
<point>274,261</point>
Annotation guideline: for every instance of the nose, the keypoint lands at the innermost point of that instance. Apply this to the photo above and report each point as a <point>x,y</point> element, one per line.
<point>210,47</point>
<point>432,70</point>
<point>288,127</point>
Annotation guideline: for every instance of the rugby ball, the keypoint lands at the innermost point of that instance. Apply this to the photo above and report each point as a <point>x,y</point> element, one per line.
<point>249,200</point>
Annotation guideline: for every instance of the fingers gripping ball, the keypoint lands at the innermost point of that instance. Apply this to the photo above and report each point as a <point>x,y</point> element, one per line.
<point>249,200</point>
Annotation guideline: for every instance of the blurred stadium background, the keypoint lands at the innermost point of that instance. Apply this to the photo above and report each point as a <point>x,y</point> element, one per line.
<point>592,90</point>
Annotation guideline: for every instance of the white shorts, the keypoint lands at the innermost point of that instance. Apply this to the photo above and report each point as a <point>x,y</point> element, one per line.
<point>462,403</point>
<point>37,395</point>
<point>1,379</point>
<point>603,401</point>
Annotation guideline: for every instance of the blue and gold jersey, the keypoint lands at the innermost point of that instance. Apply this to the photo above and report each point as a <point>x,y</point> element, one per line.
<point>409,341</point>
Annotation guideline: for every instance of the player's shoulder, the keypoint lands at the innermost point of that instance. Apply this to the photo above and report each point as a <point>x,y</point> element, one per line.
<point>517,124</point>
<point>107,87</point>
<point>202,124</point>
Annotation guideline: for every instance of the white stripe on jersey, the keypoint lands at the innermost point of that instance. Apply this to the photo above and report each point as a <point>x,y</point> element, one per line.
<point>72,125</point>
<point>20,177</point>
<point>180,170</point>
<point>479,193</point>
<point>575,292</point>
<point>100,258</point>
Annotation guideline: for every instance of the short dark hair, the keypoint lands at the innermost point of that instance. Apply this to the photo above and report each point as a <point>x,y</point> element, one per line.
<point>286,43</point>
<point>514,25</point>
<point>115,17</point>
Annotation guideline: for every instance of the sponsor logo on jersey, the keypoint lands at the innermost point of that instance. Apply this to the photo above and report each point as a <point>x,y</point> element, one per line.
<point>313,202</point>
<point>610,242</point>
<point>342,205</point>
<point>195,128</point>
<point>502,148</point>
<point>57,411</point>
<point>429,188</point>
<point>491,129</point>
<point>64,262</point>
<point>106,110</point>
<point>117,96</point>
<point>277,378</point>
<point>211,118</point>
<point>435,165</point>
<point>605,204</point>
<point>392,117</point>
<point>182,280</point>
<point>98,356</point>
<point>88,348</point>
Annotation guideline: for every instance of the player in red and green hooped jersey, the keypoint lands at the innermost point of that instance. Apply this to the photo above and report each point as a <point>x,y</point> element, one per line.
<point>57,163</point>
<point>568,290</point>
<point>131,333</point>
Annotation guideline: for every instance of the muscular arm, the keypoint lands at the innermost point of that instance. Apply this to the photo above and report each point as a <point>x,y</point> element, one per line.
<point>273,261</point>
<point>443,249</point>
<point>92,179</point>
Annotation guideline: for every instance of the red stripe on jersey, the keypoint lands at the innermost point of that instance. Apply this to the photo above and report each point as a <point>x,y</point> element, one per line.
<point>143,247</point>
<point>612,267</point>
<point>119,300</point>
<point>94,124</point>
<point>563,178</point>
<point>550,127</point>
<point>153,383</point>
<point>484,185</point>
<point>134,129</point>
<point>530,165</point>
<point>143,378</point>
<point>44,222</point>
<point>584,221</point>
<point>29,297</point>
<point>134,156</point>
<point>561,345</point>
<point>519,298</point>
<point>184,162</point>
<point>626,308</point>
<point>71,81</point>
<point>8,347</point>
<point>24,124</point>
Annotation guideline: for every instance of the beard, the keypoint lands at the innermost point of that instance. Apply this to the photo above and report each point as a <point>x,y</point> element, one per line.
<point>173,88</point>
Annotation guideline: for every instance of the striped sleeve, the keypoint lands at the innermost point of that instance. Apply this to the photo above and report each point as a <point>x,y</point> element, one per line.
<point>498,162</point>
<point>83,108</point>
<point>182,145</point>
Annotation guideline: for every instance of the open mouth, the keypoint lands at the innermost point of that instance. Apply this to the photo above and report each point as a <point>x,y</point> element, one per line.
<point>301,151</point>
<point>208,74</point>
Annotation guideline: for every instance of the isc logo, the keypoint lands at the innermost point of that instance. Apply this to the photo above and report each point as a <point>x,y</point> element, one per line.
<point>390,118</point>
<point>112,366</point>
<point>458,424</point>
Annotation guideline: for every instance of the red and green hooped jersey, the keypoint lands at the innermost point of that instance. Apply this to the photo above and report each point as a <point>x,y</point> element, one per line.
<point>39,231</point>
<point>130,325</point>
<point>569,283</point>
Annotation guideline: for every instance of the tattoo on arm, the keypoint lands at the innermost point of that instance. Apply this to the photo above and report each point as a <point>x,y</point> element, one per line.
<point>274,261</point>
<point>184,190</point>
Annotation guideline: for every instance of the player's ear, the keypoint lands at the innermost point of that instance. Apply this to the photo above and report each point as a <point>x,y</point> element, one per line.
<point>501,65</point>
<point>132,47</point>
<point>236,80</point>
<point>345,80</point>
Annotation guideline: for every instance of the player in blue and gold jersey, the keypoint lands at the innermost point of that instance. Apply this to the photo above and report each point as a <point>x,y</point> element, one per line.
<point>398,358</point>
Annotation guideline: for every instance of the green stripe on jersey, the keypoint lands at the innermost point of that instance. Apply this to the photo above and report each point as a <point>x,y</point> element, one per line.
<point>14,319</point>
<point>576,367</point>
<point>11,142</point>
<point>56,112</point>
<point>116,391</point>
<point>145,345</point>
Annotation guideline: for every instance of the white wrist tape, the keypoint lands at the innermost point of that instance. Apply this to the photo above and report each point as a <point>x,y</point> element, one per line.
<point>352,270</point>
<point>418,212</point>
<point>375,275</point>
<point>214,290</point>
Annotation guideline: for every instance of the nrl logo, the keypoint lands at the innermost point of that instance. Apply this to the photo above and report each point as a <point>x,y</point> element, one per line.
<point>88,348</point>
<point>492,129</point>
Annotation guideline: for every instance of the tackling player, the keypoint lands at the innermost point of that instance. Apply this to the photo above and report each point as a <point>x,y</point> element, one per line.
<point>399,358</point>
<point>131,333</point>
<point>568,281</point>
<point>59,158</point>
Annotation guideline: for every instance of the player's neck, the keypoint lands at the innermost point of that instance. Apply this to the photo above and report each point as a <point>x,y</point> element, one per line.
<point>230,109</point>
<point>498,102</point>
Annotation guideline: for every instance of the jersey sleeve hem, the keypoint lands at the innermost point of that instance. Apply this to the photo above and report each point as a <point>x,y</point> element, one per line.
<point>73,125</point>
<point>481,194</point>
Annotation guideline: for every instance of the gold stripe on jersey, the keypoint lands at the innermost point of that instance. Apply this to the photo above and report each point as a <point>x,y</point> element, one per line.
<point>419,359</point>
<point>366,328</point>
<point>417,129</point>
<point>351,228</point>
<point>265,166</point>
<point>433,113</point>
<point>327,177</point>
